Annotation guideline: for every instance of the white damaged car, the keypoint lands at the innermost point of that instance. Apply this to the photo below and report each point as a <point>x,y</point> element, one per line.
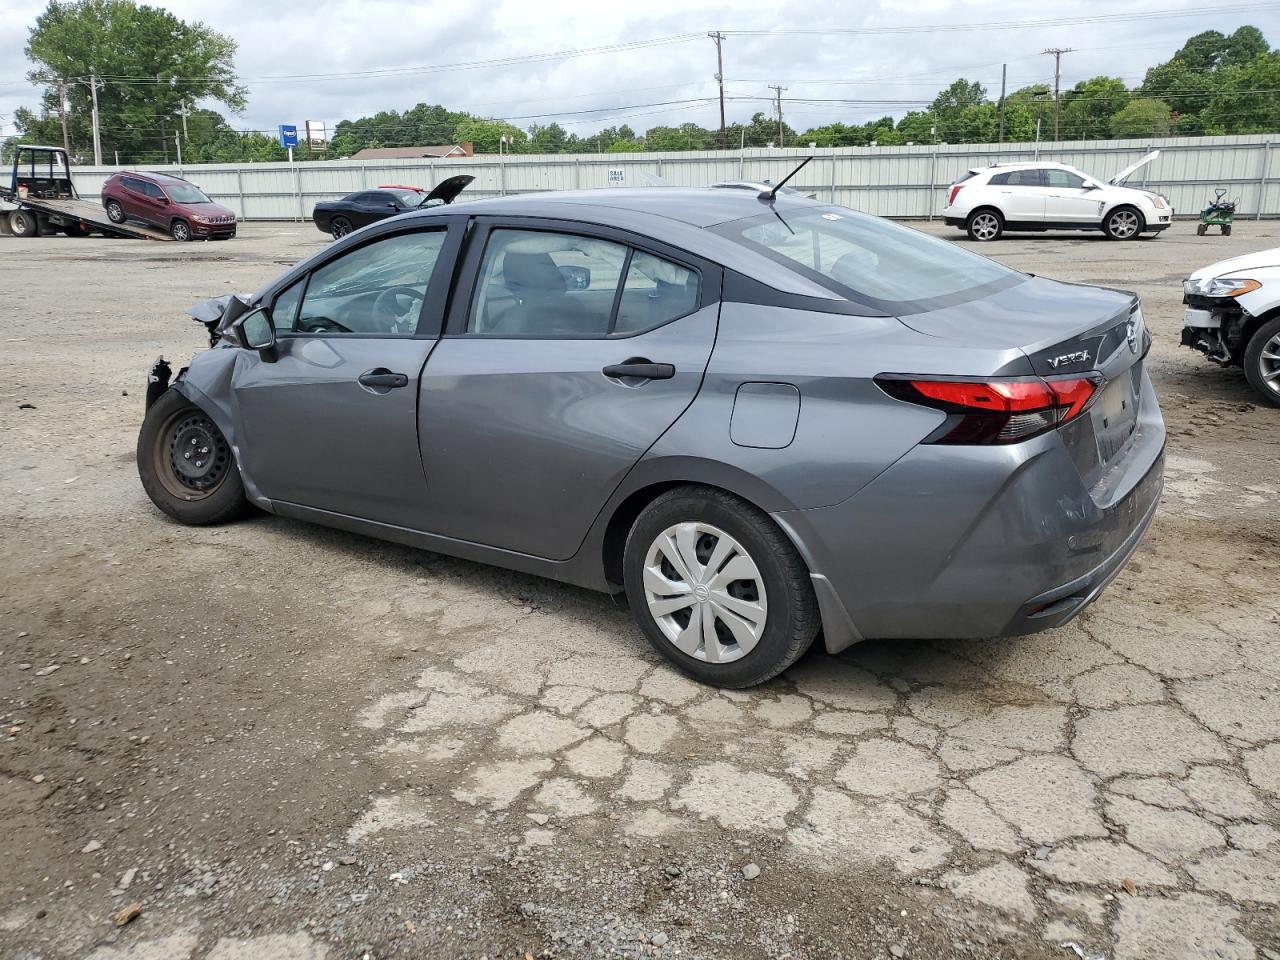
<point>1233,316</point>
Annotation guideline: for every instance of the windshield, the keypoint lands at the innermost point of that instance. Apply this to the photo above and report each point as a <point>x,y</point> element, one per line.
<point>186,193</point>
<point>871,261</point>
<point>408,198</point>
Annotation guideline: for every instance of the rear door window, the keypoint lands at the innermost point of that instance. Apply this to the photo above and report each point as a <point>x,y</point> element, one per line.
<point>536,283</point>
<point>1024,178</point>
<point>656,291</point>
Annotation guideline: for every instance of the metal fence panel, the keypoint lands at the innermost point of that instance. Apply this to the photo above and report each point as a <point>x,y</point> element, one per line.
<point>901,181</point>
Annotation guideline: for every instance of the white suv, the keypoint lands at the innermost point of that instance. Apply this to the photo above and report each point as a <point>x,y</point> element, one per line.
<point>987,201</point>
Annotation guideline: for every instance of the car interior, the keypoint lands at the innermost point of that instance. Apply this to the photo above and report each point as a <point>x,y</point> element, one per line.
<point>547,284</point>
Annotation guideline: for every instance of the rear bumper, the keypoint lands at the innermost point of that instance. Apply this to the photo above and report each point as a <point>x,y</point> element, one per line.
<point>969,542</point>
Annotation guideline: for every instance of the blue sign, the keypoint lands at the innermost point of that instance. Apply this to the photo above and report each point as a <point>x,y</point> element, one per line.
<point>288,135</point>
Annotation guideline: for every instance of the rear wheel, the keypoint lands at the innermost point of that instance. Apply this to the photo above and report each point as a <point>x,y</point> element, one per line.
<point>1262,362</point>
<point>985,225</point>
<point>186,465</point>
<point>1123,223</point>
<point>24,223</point>
<point>1226,231</point>
<point>115,212</point>
<point>717,588</point>
<point>1201,230</point>
<point>339,227</point>
<point>180,230</point>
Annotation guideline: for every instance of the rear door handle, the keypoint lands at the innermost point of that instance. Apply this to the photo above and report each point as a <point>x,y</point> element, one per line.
<point>640,370</point>
<point>383,378</point>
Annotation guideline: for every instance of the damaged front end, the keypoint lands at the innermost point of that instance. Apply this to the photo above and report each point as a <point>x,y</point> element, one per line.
<point>217,314</point>
<point>1216,327</point>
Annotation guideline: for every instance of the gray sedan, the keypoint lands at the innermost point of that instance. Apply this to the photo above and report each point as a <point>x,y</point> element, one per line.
<point>762,417</point>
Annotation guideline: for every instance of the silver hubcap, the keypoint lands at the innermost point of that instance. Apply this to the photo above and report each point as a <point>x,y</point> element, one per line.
<point>1270,363</point>
<point>705,592</point>
<point>985,226</point>
<point>1124,224</point>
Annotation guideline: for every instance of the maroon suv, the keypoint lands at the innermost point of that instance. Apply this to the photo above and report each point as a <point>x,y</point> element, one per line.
<point>170,203</point>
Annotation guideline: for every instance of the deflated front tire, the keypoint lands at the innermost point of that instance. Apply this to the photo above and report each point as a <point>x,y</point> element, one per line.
<point>186,465</point>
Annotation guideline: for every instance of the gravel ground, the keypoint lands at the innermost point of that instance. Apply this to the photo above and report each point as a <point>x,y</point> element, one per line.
<point>288,742</point>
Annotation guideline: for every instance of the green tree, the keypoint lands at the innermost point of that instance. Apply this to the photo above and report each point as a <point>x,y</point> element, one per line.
<point>548,139</point>
<point>1087,108</point>
<point>485,136</point>
<point>947,107</point>
<point>1238,107</point>
<point>151,66</point>
<point>835,135</point>
<point>1141,118</point>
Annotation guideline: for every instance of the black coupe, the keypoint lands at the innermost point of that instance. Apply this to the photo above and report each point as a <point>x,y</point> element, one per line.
<point>355,210</point>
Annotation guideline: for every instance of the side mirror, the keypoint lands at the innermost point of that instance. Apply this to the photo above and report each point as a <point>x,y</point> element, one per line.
<point>256,332</point>
<point>1092,186</point>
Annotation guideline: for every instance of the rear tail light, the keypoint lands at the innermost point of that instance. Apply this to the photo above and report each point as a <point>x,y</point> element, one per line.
<point>955,192</point>
<point>995,411</point>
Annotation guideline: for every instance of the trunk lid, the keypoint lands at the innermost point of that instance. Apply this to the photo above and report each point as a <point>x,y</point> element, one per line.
<point>1063,329</point>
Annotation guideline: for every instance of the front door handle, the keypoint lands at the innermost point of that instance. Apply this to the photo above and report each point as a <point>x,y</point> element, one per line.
<point>382,377</point>
<point>640,369</point>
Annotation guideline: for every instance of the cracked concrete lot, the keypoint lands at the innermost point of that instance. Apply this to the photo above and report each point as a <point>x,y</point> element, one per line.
<point>288,742</point>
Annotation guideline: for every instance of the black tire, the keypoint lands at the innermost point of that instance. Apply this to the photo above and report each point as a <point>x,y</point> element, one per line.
<point>791,618</point>
<point>24,223</point>
<point>985,225</point>
<point>1124,223</point>
<point>1261,360</point>
<point>1226,231</point>
<point>180,230</point>
<point>339,227</point>
<point>115,212</point>
<point>208,492</point>
<point>1201,230</point>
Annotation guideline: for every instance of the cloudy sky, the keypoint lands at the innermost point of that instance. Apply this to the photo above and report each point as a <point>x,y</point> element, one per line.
<point>894,51</point>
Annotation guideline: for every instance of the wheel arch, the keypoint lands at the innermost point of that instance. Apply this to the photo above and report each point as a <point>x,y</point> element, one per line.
<point>652,478</point>
<point>1254,324</point>
<point>987,207</point>
<point>1124,205</point>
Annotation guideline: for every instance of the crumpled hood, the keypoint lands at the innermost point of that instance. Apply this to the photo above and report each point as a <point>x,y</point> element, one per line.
<point>1262,260</point>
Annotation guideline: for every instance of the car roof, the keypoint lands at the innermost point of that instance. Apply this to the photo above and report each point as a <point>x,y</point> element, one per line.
<point>146,175</point>
<point>694,206</point>
<point>676,216</point>
<point>1024,165</point>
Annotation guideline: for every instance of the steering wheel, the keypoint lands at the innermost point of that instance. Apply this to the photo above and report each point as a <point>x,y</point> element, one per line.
<point>321,325</point>
<point>403,304</point>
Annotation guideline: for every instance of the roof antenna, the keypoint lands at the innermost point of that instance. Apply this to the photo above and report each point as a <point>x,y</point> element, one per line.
<point>768,195</point>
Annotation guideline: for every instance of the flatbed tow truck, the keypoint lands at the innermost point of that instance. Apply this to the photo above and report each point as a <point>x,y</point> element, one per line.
<point>41,199</point>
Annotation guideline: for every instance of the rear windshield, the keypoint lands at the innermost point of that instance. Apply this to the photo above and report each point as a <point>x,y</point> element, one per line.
<point>871,261</point>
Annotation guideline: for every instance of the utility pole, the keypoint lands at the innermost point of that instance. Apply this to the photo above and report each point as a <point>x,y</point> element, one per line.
<point>183,112</point>
<point>97,130</point>
<point>62,115</point>
<point>718,37</point>
<point>177,142</point>
<point>778,100</point>
<point>1057,81</point>
<point>1004,75</point>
